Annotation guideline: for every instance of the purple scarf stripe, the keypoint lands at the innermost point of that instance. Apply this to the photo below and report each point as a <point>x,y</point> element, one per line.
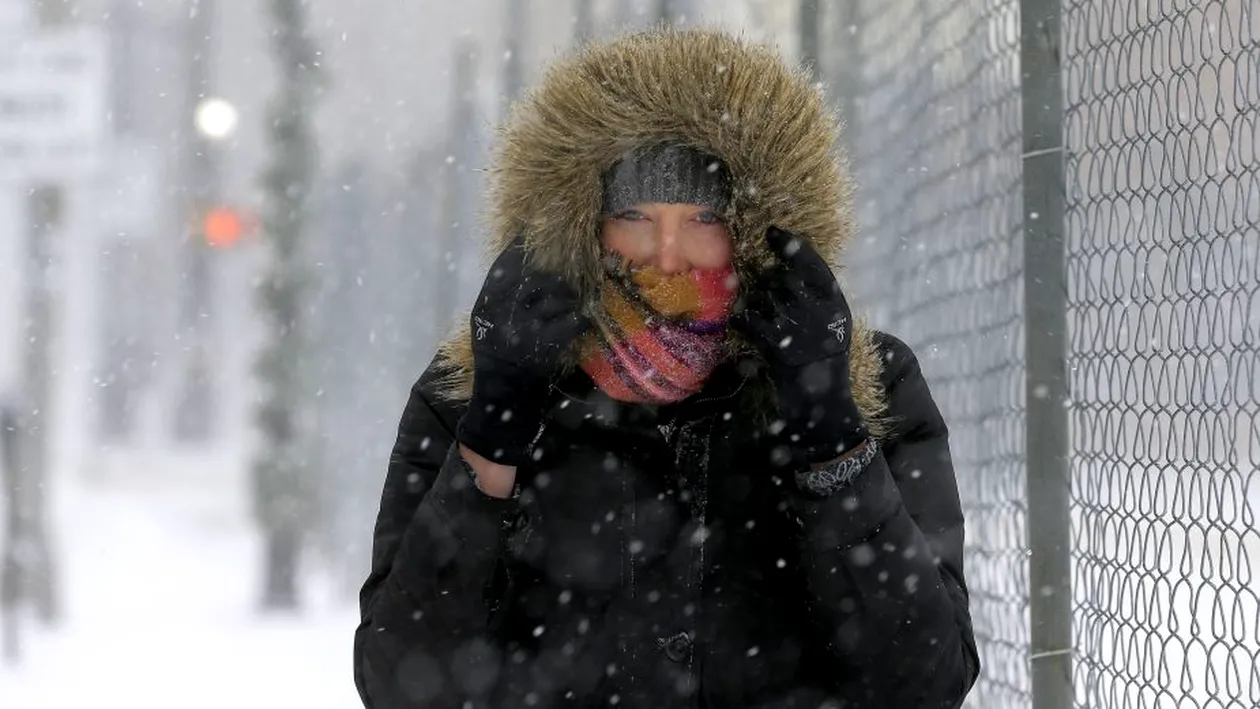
<point>706,327</point>
<point>627,378</point>
<point>695,354</point>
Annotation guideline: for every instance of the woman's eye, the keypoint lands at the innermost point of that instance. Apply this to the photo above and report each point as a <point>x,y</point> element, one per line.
<point>631,215</point>
<point>708,218</point>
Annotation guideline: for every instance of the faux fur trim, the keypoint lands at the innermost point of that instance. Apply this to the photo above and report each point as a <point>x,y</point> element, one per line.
<point>708,89</point>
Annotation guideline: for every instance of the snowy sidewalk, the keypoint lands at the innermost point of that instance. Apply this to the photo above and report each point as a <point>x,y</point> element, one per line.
<point>158,594</point>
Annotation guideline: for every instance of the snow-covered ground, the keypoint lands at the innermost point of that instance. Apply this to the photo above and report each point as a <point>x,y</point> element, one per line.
<point>158,590</point>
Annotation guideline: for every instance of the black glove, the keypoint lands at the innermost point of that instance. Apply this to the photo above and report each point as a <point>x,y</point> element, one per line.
<point>801,322</point>
<point>522,323</point>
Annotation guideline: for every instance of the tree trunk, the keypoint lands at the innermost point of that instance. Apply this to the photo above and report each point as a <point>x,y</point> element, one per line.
<point>285,478</point>
<point>282,554</point>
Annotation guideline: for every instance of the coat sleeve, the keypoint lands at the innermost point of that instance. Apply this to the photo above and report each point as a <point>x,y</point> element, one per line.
<point>425,608</point>
<point>884,559</point>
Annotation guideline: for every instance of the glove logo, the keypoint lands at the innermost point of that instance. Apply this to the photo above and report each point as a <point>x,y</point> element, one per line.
<point>840,327</point>
<point>483,327</point>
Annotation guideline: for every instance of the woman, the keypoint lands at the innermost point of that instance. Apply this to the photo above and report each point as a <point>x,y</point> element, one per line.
<point>664,466</point>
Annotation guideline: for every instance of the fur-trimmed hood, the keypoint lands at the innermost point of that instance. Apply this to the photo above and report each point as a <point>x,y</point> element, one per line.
<point>707,89</point>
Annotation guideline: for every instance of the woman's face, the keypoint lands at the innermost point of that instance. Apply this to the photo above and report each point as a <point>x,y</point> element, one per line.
<point>672,238</point>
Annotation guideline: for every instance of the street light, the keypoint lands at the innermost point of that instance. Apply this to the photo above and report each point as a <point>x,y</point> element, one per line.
<point>216,118</point>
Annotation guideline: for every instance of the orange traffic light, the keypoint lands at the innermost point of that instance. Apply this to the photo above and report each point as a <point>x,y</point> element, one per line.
<point>222,227</point>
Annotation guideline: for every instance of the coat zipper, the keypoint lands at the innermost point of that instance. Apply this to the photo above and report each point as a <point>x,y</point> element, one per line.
<point>688,444</point>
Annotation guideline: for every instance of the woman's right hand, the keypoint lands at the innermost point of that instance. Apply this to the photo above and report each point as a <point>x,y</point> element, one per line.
<point>523,322</point>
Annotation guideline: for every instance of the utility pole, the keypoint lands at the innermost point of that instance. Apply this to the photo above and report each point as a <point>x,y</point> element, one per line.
<point>195,410</point>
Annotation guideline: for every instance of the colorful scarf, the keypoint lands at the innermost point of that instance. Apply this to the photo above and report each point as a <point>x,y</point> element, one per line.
<point>659,336</point>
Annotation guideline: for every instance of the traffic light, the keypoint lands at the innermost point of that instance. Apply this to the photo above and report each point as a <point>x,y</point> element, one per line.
<point>222,227</point>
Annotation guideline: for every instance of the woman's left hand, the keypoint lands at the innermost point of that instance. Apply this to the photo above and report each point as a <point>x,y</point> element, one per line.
<point>801,322</point>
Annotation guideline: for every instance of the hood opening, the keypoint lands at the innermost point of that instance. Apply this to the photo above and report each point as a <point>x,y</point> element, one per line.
<point>706,89</point>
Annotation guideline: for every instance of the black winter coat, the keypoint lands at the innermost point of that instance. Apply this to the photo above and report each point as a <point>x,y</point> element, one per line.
<point>663,558</point>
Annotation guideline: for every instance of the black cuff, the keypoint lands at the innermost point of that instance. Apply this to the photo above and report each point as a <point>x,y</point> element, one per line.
<point>838,474</point>
<point>852,514</point>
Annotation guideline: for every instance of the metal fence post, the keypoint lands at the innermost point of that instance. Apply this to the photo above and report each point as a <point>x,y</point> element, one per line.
<point>1045,303</point>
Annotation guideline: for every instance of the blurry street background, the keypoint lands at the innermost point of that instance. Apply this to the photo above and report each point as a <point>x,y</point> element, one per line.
<point>233,231</point>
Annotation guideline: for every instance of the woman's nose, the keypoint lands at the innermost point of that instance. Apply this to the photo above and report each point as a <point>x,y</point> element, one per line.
<point>670,258</point>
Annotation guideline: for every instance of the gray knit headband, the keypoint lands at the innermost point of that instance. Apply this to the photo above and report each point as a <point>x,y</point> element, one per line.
<point>670,174</point>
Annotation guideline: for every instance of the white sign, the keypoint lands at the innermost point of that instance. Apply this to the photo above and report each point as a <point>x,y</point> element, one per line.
<point>53,114</point>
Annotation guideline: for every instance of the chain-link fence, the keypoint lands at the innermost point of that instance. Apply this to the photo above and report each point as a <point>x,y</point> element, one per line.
<point>1161,127</point>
